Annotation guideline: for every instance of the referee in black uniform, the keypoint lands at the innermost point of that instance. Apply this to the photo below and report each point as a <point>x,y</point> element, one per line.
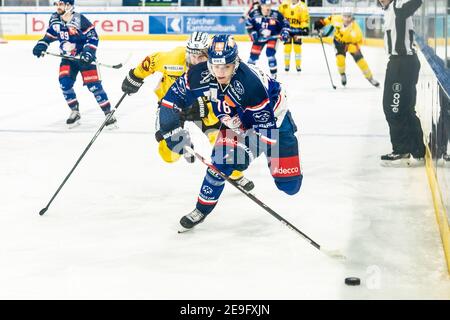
<point>402,73</point>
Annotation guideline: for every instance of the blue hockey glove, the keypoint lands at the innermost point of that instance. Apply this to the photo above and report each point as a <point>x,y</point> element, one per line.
<point>284,35</point>
<point>87,55</point>
<point>304,31</point>
<point>254,36</point>
<point>40,48</point>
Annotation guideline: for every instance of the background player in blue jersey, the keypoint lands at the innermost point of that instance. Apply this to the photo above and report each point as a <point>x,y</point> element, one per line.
<point>252,109</point>
<point>77,36</point>
<point>265,28</point>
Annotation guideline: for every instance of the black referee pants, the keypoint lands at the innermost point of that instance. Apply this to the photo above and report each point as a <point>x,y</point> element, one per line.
<point>399,101</point>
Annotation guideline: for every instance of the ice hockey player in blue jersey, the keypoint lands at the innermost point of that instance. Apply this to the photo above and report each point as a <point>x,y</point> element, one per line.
<point>265,29</point>
<point>252,109</point>
<point>77,37</point>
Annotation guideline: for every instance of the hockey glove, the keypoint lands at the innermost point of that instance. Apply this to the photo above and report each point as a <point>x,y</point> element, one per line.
<point>198,111</point>
<point>177,139</point>
<point>284,35</point>
<point>131,83</point>
<point>40,48</point>
<point>304,31</point>
<point>170,146</point>
<point>318,24</point>
<point>254,36</point>
<point>87,55</point>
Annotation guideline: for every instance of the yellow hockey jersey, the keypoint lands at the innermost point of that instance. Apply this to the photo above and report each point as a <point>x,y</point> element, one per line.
<point>297,14</point>
<point>172,64</point>
<point>350,34</point>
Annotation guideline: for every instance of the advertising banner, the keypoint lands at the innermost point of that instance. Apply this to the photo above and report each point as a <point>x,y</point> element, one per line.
<point>12,24</point>
<point>181,24</point>
<point>105,24</point>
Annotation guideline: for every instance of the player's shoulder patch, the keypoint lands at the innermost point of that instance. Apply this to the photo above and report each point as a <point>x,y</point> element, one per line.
<point>149,63</point>
<point>199,75</point>
<point>55,18</point>
<point>247,83</point>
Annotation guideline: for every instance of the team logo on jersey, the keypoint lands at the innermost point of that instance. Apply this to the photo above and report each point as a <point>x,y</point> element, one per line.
<point>146,64</point>
<point>207,190</point>
<point>206,77</point>
<point>238,87</point>
<point>181,87</point>
<point>57,27</point>
<point>272,22</point>
<point>262,116</point>
<point>204,74</point>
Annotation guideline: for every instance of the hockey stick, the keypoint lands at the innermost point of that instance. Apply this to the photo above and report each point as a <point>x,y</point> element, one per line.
<point>326,60</point>
<point>109,116</point>
<point>330,253</point>
<point>77,58</point>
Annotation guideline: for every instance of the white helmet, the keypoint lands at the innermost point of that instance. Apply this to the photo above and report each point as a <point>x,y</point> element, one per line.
<point>198,43</point>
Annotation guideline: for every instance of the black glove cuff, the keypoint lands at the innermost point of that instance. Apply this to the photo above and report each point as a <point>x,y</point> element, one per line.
<point>135,81</point>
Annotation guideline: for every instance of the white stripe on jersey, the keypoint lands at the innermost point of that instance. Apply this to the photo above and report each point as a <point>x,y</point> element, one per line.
<point>399,33</point>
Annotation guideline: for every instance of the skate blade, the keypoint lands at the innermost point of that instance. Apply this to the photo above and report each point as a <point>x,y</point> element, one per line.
<point>403,163</point>
<point>184,230</point>
<point>416,163</point>
<point>112,127</point>
<point>74,125</point>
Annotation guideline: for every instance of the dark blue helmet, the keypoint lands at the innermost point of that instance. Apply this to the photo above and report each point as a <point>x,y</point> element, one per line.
<point>223,50</point>
<point>267,2</point>
<point>71,2</point>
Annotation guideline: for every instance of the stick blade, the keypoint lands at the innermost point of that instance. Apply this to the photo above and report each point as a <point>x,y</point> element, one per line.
<point>335,254</point>
<point>41,213</point>
<point>118,66</point>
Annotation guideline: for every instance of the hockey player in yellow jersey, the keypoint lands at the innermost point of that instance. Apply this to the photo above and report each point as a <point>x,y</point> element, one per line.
<point>348,37</point>
<point>173,64</point>
<point>297,13</point>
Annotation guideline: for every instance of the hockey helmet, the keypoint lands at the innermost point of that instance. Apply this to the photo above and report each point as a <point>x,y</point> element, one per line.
<point>223,50</point>
<point>71,2</point>
<point>197,44</point>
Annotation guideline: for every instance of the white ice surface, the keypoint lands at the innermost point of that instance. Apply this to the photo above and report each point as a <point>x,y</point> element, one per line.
<point>111,232</point>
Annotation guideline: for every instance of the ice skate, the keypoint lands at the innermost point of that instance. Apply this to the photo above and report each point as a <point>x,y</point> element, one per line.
<point>191,220</point>
<point>74,119</point>
<point>344,79</point>
<point>374,82</point>
<point>111,124</point>
<point>245,183</point>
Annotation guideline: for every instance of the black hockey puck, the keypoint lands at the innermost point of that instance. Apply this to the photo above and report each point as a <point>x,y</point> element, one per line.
<point>352,281</point>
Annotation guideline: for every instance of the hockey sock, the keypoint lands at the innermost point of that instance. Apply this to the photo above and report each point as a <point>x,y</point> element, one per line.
<point>287,54</point>
<point>298,55</point>
<point>210,192</point>
<point>272,64</point>
<point>100,95</point>
<point>340,62</point>
<point>362,64</point>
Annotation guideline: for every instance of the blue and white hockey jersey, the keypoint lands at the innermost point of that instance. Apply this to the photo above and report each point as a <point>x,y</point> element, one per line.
<point>252,100</point>
<point>73,35</point>
<point>263,28</point>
